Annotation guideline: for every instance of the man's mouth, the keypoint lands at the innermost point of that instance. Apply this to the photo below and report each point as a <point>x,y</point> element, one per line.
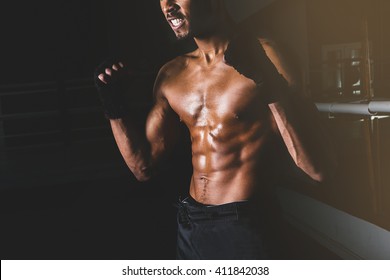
<point>176,23</point>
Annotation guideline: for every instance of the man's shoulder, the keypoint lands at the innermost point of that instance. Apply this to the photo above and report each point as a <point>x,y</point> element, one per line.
<point>172,67</point>
<point>278,55</point>
<point>177,65</point>
<point>268,43</point>
<point>171,70</point>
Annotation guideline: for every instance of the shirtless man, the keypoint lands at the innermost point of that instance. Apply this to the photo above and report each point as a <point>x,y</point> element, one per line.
<point>234,98</point>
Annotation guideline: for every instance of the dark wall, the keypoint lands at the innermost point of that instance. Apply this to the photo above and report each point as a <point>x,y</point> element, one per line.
<point>48,40</point>
<point>75,198</point>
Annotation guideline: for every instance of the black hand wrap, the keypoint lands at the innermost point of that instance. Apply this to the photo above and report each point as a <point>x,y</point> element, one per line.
<point>111,94</point>
<point>246,54</point>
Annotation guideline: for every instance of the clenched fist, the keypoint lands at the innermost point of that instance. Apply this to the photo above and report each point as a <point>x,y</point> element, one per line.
<point>110,78</point>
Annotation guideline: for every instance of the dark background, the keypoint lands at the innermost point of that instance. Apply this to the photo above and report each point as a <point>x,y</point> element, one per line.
<point>65,192</point>
<point>48,212</point>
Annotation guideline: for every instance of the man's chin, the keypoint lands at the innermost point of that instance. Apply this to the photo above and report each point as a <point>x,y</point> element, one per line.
<point>181,38</point>
<point>182,35</point>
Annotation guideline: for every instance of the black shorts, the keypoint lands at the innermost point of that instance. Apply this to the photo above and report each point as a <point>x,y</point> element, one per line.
<point>230,231</point>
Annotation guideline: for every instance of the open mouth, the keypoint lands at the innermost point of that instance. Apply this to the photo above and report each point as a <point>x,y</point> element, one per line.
<point>176,23</point>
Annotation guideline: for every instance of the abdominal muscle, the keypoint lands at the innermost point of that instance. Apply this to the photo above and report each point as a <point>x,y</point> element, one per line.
<point>228,163</point>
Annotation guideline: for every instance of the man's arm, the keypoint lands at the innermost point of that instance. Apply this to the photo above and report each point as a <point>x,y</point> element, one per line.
<point>142,153</point>
<point>300,126</point>
<point>143,150</point>
<point>297,120</point>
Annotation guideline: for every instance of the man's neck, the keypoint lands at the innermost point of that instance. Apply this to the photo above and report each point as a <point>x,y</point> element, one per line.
<point>215,44</point>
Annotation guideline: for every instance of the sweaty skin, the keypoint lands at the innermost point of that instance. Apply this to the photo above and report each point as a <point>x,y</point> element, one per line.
<point>229,123</point>
<point>231,126</point>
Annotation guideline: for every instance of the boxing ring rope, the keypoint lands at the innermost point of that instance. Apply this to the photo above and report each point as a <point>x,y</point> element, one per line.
<point>372,108</point>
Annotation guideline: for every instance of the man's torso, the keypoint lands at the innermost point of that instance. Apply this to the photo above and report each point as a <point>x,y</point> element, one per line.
<point>229,123</point>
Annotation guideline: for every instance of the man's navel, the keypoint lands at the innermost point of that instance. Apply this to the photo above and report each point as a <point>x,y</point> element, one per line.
<point>204,184</point>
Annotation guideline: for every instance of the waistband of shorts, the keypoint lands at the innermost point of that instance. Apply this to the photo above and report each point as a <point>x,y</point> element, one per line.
<point>190,202</point>
<point>191,210</point>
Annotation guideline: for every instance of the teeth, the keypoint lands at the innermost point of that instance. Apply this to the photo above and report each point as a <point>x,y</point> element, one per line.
<point>176,22</point>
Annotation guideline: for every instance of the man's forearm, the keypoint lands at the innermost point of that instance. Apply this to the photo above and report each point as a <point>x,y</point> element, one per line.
<point>305,137</point>
<point>134,148</point>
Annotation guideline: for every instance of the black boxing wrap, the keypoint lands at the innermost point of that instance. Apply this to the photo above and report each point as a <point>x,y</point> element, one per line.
<point>248,57</point>
<point>111,94</point>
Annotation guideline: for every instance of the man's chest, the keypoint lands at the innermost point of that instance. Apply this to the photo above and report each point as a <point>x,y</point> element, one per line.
<point>205,97</point>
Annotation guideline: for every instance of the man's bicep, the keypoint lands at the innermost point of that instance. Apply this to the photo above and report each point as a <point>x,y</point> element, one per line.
<point>162,128</point>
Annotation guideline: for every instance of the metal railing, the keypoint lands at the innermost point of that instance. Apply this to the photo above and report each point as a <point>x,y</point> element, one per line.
<point>370,112</point>
<point>364,108</point>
